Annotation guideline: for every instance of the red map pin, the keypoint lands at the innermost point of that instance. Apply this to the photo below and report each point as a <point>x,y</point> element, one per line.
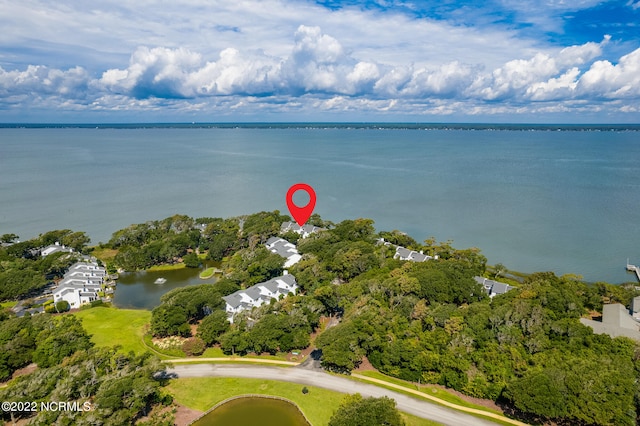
<point>301,214</point>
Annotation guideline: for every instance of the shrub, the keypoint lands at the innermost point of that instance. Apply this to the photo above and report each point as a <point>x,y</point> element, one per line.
<point>193,346</point>
<point>62,306</point>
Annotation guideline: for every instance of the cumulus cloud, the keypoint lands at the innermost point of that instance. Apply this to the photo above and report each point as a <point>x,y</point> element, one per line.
<point>319,71</point>
<point>42,80</point>
<point>620,81</point>
<point>157,72</point>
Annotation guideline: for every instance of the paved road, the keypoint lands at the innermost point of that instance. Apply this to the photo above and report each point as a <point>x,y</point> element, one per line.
<point>405,403</point>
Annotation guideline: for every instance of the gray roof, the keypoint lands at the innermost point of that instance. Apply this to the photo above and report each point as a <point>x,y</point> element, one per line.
<point>412,255</point>
<point>282,247</point>
<point>418,257</point>
<point>271,285</point>
<point>234,299</point>
<point>500,288</point>
<point>493,287</point>
<point>289,226</point>
<point>253,292</point>
<point>289,279</point>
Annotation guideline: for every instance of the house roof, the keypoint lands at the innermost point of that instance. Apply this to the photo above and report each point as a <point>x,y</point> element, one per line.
<point>279,283</point>
<point>282,247</point>
<point>234,300</point>
<point>270,285</point>
<point>289,226</point>
<point>253,292</point>
<point>493,287</point>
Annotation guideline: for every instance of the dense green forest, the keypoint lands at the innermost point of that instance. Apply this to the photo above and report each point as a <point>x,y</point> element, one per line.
<point>427,322</point>
<point>119,388</point>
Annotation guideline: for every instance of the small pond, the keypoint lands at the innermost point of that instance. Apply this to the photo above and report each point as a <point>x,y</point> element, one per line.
<point>252,411</point>
<point>138,290</point>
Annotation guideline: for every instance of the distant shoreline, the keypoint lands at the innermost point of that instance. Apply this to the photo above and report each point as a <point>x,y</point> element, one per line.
<point>616,127</point>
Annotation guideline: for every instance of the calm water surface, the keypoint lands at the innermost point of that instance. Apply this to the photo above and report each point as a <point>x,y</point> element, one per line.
<point>252,412</point>
<point>533,200</point>
<point>138,290</point>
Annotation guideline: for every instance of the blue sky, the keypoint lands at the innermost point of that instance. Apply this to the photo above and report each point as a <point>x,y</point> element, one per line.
<point>559,61</point>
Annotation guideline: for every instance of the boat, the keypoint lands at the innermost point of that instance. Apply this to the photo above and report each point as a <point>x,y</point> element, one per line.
<point>160,281</point>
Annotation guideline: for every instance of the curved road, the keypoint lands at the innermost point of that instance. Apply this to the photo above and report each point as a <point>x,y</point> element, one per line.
<point>405,403</point>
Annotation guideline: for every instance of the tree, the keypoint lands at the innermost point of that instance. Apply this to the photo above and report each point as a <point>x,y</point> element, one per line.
<point>8,238</point>
<point>212,327</point>
<point>191,260</point>
<point>358,411</point>
<point>169,320</point>
<point>62,337</point>
<point>499,269</point>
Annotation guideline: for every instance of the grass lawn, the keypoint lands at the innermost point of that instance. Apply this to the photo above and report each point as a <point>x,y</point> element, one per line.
<point>166,267</point>
<point>8,305</point>
<point>207,273</point>
<point>104,254</point>
<point>318,405</point>
<point>112,326</point>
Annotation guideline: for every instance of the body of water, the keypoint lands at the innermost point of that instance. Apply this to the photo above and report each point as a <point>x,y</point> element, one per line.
<point>532,199</point>
<point>251,411</point>
<point>139,290</point>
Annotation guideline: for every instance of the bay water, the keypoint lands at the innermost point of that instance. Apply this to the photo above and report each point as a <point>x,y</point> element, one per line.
<point>532,199</point>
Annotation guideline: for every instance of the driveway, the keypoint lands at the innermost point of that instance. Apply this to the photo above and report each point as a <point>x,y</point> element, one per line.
<point>320,379</point>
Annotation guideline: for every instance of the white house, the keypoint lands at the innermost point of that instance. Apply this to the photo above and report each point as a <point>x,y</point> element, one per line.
<point>285,249</point>
<point>259,294</point>
<point>81,284</point>
<point>75,295</point>
<point>493,288</point>
<point>411,255</point>
<point>86,269</point>
<point>304,230</point>
<point>54,248</point>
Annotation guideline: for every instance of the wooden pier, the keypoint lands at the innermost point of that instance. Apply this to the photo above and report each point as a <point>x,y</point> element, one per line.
<point>633,268</point>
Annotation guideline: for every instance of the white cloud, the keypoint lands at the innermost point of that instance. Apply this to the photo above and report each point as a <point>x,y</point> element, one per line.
<point>42,80</point>
<point>620,81</point>
<point>319,70</point>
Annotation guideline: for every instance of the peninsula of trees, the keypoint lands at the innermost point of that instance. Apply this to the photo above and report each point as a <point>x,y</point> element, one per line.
<point>427,322</point>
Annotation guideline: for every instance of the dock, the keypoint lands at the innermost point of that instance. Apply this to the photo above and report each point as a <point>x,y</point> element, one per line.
<point>633,268</point>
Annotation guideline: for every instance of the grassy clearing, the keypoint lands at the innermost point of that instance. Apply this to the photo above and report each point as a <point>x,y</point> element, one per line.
<point>8,305</point>
<point>104,254</point>
<point>112,326</point>
<point>207,273</point>
<point>172,267</point>
<point>318,405</point>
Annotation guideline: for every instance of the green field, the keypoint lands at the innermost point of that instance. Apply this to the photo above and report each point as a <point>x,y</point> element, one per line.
<point>112,326</point>
<point>166,267</point>
<point>207,273</point>
<point>318,405</point>
<point>8,305</point>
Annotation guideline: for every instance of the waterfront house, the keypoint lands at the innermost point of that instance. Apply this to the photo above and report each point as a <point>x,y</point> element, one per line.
<point>616,322</point>
<point>285,249</point>
<point>304,230</point>
<point>411,255</point>
<point>55,248</point>
<point>81,284</point>
<point>493,288</point>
